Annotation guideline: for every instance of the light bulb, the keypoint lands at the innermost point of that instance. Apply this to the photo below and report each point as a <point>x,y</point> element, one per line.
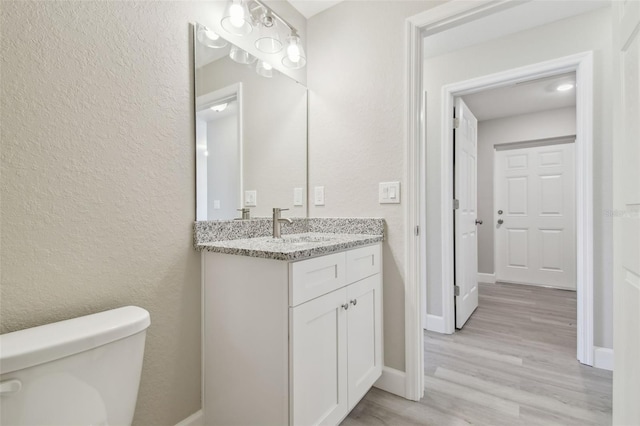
<point>264,69</point>
<point>236,14</point>
<point>293,52</point>
<point>295,57</point>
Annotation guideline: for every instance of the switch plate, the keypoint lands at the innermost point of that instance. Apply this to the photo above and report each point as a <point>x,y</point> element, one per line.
<point>318,196</point>
<point>250,198</point>
<point>297,197</point>
<point>216,204</point>
<point>389,193</point>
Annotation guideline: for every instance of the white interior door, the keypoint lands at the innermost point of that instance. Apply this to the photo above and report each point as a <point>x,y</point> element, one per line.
<point>535,237</point>
<point>466,236</point>
<point>626,344</point>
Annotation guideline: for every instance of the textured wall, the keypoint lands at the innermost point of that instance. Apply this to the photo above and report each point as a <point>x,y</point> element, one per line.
<point>590,31</point>
<point>98,179</point>
<point>517,128</point>
<point>356,129</point>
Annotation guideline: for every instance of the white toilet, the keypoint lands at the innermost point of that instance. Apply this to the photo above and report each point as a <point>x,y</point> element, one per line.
<point>83,371</point>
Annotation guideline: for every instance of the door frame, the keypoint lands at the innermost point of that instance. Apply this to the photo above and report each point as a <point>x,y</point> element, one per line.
<point>416,28</point>
<point>582,64</point>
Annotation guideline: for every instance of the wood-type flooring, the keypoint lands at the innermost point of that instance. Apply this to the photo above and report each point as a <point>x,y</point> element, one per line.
<point>513,363</point>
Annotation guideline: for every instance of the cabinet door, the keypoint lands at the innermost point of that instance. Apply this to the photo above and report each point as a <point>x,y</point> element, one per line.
<point>319,360</point>
<point>364,336</point>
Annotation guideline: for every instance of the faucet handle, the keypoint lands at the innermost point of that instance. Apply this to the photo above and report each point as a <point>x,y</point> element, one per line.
<point>279,209</point>
<point>246,213</point>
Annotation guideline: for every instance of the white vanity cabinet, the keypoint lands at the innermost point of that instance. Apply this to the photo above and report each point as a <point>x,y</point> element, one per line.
<point>296,343</point>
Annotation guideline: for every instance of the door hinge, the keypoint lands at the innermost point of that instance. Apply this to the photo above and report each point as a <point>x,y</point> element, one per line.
<point>456,204</point>
<point>456,123</point>
<point>417,230</point>
<point>456,290</point>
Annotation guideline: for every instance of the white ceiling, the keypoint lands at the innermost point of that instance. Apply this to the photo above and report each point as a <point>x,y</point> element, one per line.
<point>308,8</point>
<point>522,98</point>
<point>514,19</point>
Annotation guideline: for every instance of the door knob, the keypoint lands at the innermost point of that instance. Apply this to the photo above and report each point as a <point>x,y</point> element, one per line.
<point>499,211</point>
<point>345,306</point>
<point>478,222</point>
<point>500,221</point>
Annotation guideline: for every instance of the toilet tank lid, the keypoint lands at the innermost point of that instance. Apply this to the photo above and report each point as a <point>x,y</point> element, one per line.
<point>37,345</point>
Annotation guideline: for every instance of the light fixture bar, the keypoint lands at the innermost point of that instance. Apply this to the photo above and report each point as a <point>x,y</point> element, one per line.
<point>275,15</point>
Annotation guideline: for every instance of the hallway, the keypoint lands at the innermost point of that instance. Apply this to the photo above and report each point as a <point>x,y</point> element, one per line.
<point>514,363</point>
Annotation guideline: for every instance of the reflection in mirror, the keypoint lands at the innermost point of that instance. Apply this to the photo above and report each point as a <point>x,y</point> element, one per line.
<point>251,134</point>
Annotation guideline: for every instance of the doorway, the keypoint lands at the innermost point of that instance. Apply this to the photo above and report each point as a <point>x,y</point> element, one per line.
<point>427,24</point>
<point>581,65</point>
<point>514,212</point>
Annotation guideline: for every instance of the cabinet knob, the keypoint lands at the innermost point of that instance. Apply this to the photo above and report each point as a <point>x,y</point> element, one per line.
<point>354,302</point>
<point>345,306</point>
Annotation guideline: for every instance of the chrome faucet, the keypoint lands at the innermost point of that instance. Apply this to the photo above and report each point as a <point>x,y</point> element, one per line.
<point>277,220</point>
<point>246,214</point>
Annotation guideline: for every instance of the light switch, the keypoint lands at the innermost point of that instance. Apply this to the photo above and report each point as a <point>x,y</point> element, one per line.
<point>250,198</point>
<point>318,196</point>
<point>297,197</point>
<point>389,193</point>
<point>216,204</point>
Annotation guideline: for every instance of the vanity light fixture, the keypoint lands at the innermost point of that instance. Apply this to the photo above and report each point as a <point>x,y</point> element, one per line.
<point>564,87</point>
<point>210,38</point>
<point>242,15</point>
<point>264,69</point>
<point>237,19</point>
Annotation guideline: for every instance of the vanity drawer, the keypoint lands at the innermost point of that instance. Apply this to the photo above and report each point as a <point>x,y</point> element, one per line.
<point>314,277</point>
<point>363,262</point>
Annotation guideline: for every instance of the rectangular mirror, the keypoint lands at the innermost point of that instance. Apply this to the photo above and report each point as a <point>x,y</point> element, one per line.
<point>251,134</point>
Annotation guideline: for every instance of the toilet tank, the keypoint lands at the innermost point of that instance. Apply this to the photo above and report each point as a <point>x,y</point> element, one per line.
<point>82,371</point>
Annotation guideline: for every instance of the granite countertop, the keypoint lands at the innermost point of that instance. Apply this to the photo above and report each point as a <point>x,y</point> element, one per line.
<point>292,246</point>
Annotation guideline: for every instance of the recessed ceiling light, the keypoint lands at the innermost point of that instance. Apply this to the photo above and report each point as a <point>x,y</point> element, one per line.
<point>219,108</point>
<point>564,87</point>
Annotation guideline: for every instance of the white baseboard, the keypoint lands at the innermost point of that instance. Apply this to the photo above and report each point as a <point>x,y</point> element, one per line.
<point>486,278</point>
<point>196,419</point>
<point>603,358</point>
<point>434,323</point>
<point>392,381</point>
